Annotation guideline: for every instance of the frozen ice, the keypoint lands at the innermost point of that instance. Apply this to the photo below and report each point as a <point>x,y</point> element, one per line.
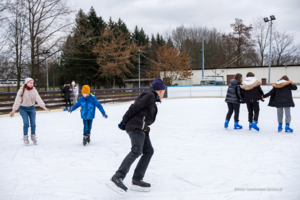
<point>194,156</point>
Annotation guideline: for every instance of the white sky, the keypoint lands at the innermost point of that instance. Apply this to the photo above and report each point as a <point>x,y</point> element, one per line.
<point>160,15</point>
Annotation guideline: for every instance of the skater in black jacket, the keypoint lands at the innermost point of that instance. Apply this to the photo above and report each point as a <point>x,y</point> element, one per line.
<point>136,122</point>
<point>66,90</point>
<point>233,100</point>
<point>252,94</point>
<point>282,99</point>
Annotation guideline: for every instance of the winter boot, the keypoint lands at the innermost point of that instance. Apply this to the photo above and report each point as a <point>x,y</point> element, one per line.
<point>140,186</point>
<point>254,125</point>
<point>89,138</point>
<point>26,141</point>
<point>66,109</point>
<point>85,139</point>
<point>33,138</point>
<point>279,127</point>
<point>237,126</point>
<point>250,125</point>
<point>288,129</point>
<point>226,123</point>
<point>117,185</point>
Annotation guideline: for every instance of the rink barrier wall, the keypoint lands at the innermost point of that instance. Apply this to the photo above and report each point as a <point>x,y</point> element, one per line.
<point>54,99</point>
<point>211,91</point>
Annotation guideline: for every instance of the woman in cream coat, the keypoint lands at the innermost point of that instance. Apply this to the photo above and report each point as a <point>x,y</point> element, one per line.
<point>25,100</point>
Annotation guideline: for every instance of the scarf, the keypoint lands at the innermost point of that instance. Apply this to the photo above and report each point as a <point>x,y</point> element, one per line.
<point>28,88</point>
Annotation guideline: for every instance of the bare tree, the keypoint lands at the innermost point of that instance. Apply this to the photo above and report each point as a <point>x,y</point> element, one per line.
<point>46,18</point>
<point>284,50</point>
<point>17,39</point>
<point>261,36</point>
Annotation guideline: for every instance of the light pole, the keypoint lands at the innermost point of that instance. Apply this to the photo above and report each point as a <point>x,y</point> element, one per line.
<point>272,17</point>
<point>202,56</point>
<point>139,53</point>
<point>46,52</point>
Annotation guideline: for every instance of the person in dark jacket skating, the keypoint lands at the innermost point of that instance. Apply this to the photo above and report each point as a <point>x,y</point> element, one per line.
<point>136,122</point>
<point>282,99</point>
<point>233,100</point>
<point>252,94</point>
<point>66,90</point>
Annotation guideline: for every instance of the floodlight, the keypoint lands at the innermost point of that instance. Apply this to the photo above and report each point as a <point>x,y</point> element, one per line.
<point>272,17</point>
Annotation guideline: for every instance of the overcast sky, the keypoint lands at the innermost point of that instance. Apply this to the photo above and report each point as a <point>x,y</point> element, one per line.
<point>160,15</point>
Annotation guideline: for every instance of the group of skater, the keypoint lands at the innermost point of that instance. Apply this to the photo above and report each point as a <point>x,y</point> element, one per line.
<point>136,121</point>
<point>250,93</point>
<point>67,89</point>
<point>142,113</point>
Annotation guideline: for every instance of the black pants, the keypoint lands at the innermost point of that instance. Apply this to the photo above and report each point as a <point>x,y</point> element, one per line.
<point>233,107</point>
<point>140,144</point>
<point>253,107</point>
<point>68,101</point>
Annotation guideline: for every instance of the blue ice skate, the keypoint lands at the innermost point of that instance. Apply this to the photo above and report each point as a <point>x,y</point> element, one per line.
<point>288,129</point>
<point>280,128</point>
<point>237,126</point>
<point>254,125</point>
<point>250,125</point>
<point>66,109</point>
<point>226,123</point>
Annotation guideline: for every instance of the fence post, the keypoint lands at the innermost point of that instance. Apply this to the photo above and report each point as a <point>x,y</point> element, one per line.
<point>221,90</point>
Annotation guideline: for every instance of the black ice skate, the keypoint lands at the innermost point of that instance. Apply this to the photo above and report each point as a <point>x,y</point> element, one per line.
<point>117,185</point>
<point>89,138</point>
<point>140,186</point>
<point>85,139</point>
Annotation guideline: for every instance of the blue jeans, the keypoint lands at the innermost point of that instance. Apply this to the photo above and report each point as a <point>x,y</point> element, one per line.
<point>28,112</point>
<point>87,126</point>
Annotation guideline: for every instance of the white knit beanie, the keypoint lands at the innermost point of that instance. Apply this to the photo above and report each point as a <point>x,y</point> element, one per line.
<point>27,80</point>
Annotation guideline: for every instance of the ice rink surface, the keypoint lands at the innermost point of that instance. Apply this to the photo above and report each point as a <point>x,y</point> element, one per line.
<point>194,156</point>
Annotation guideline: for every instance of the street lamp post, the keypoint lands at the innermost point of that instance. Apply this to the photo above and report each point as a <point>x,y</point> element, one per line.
<point>46,52</point>
<point>202,56</point>
<point>272,17</point>
<point>139,53</point>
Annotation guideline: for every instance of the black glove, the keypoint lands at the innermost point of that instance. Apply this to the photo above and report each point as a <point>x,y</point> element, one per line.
<point>70,110</point>
<point>122,125</point>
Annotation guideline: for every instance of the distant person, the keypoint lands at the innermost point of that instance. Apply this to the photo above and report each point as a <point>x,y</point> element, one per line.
<point>66,90</point>
<point>252,94</point>
<point>74,90</point>
<point>88,103</point>
<point>233,100</point>
<point>136,122</point>
<point>282,99</point>
<point>25,100</point>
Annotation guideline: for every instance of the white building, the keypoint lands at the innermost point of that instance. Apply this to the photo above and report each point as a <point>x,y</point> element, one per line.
<point>261,73</point>
<point>10,82</point>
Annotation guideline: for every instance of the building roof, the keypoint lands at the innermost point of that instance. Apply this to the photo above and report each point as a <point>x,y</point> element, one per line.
<point>250,67</point>
<point>142,79</point>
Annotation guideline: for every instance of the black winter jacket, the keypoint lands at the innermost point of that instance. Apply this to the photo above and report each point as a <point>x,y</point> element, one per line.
<point>234,92</point>
<point>66,91</point>
<point>142,113</point>
<point>281,95</point>
<point>252,93</point>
